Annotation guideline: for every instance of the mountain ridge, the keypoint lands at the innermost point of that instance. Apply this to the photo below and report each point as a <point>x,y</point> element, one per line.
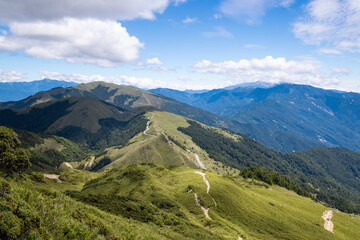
<point>328,117</point>
<point>130,97</point>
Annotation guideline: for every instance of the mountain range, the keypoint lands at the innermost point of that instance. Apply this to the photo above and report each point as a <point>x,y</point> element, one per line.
<point>14,91</point>
<point>331,118</point>
<point>129,97</point>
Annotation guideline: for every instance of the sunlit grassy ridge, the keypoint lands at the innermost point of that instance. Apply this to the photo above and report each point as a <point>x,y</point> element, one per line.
<point>247,208</point>
<point>168,148</point>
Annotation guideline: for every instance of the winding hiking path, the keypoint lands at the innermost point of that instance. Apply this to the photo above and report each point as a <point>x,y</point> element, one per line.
<point>328,225</point>
<point>208,186</point>
<point>147,128</point>
<point>201,164</point>
<point>205,210</point>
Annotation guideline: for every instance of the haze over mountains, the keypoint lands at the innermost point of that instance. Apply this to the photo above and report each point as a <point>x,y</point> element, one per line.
<point>329,117</point>
<point>14,91</point>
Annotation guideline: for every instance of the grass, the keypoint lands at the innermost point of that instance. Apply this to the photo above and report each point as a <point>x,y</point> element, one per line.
<point>246,208</point>
<point>30,211</point>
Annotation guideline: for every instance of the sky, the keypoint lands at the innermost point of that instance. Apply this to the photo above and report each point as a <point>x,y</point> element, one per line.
<point>182,44</point>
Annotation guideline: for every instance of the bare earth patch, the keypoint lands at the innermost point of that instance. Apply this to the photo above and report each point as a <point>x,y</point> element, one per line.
<point>53,176</point>
<point>328,225</point>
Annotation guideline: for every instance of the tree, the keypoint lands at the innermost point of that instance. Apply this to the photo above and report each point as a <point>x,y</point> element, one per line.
<point>12,158</point>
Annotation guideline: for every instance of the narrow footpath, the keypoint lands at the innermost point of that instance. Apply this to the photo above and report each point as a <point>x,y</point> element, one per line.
<point>147,128</point>
<point>205,210</point>
<point>328,225</point>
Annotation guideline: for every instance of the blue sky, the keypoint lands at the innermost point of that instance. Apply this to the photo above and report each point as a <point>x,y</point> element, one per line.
<point>182,44</point>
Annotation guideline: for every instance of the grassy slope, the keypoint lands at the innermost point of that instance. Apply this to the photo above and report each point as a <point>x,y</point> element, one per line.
<point>31,210</point>
<point>246,209</point>
<point>332,173</point>
<point>47,153</point>
<point>158,150</point>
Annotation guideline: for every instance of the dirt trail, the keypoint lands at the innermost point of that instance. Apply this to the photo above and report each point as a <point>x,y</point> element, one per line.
<point>68,165</point>
<point>147,128</point>
<point>201,164</point>
<point>52,176</point>
<point>208,186</point>
<point>205,180</point>
<point>90,163</point>
<point>328,225</point>
<point>205,210</point>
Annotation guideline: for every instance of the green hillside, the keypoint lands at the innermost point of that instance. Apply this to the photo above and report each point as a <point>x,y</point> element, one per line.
<point>87,121</point>
<point>331,174</point>
<point>153,187</point>
<point>49,152</point>
<point>236,207</point>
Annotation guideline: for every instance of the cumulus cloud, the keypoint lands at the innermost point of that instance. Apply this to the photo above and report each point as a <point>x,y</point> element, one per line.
<point>332,23</point>
<point>268,69</point>
<point>83,31</point>
<point>29,10</point>
<point>154,61</point>
<point>11,76</point>
<point>105,43</point>
<point>218,32</point>
<point>189,20</point>
<point>153,64</point>
<point>252,11</point>
<point>146,83</point>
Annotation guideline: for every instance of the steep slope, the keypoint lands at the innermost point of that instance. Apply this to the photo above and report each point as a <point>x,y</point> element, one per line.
<point>328,117</point>
<point>49,152</point>
<point>332,175</point>
<point>83,120</point>
<point>14,91</point>
<point>234,208</point>
<point>131,97</point>
<point>33,209</point>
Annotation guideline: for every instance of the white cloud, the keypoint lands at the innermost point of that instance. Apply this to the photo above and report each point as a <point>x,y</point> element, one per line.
<point>29,10</point>
<point>252,10</point>
<point>11,76</point>
<point>268,69</point>
<point>218,32</point>
<point>105,43</point>
<point>146,83</point>
<point>153,64</point>
<point>341,71</point>
<point>83,31</point>
<point>334,24</point>
<point>154,61</point>
<point>189,20</point>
